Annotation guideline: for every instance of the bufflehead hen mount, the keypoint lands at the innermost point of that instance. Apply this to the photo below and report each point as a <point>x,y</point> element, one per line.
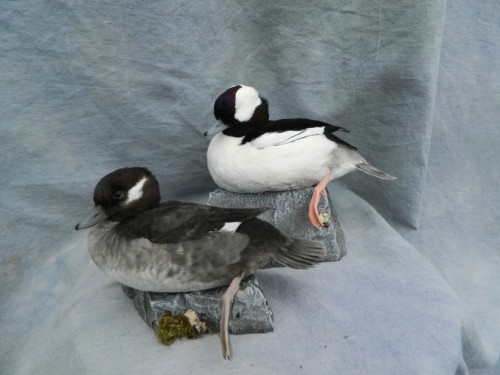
<point>181,247</point>
<point>251,154</point>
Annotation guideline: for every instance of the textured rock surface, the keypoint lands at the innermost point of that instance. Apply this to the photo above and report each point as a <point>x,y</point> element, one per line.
<point>290,215</point>
<point>250,314</point>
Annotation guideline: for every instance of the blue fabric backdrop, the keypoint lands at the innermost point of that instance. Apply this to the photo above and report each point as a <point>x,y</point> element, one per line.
<point>90,86</point>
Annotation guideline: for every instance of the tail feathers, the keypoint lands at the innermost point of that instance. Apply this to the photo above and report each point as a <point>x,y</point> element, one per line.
<point>371,170</point>
<point>300,254</point>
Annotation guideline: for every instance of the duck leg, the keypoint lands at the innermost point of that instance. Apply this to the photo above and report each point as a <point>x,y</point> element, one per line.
<point>227,303</point>
<point>319,190</point>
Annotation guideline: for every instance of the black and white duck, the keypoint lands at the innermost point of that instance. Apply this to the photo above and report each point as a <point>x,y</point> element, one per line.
<point>251,154</point>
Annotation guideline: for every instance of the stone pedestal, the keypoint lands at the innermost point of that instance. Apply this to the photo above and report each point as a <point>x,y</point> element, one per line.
<point>251,312</point>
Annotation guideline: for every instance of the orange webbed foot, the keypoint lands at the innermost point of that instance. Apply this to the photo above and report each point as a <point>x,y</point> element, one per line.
<point>317,219</point>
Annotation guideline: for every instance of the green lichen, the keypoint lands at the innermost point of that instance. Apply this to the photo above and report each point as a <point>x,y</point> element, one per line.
<point>172,327</point>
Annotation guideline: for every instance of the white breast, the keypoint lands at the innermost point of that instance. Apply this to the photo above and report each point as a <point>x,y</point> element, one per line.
<point>280,161</point>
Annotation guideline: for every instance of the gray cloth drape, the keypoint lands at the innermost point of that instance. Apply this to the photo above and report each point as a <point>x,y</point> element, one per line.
<point>90,86</point>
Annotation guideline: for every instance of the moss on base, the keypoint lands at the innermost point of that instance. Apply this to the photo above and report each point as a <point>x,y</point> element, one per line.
<point>172,327</point>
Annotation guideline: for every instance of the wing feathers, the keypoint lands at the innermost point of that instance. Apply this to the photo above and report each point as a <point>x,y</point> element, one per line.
<point>175,221</point>
<point>283,138</point>
<point>285,131</point>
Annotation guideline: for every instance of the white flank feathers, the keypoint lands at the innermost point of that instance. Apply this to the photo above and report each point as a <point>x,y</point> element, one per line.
<point>231,227</point>
<point>288,165</point>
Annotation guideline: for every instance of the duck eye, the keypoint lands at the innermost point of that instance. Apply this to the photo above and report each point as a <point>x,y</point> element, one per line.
<point>118,195</point>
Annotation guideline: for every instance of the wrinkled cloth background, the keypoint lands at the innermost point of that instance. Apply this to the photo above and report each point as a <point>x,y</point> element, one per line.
<point>90,86</point>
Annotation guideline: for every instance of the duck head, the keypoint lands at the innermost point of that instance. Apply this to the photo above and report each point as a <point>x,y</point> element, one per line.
<point>239,110</point>
<point>123,193</point>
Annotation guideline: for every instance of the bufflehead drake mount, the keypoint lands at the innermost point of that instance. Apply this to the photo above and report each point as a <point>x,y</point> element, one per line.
<point>181,247</point>
<point>251,154</point>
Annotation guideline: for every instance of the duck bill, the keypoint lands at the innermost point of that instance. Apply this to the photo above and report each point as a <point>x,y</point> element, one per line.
<point>96,216</point>
<point>216,128</point>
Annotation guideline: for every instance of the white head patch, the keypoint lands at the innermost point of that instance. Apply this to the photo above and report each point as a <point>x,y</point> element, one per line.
<point>135,191</point>
<point>247,99</point>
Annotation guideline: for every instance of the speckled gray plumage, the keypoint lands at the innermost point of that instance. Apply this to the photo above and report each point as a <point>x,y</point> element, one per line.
<point>210,261</point>
<point>174,267</point>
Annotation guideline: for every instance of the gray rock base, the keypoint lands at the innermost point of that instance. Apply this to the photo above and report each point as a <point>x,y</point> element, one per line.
<point>290,215</point>
<point>251,312</point>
